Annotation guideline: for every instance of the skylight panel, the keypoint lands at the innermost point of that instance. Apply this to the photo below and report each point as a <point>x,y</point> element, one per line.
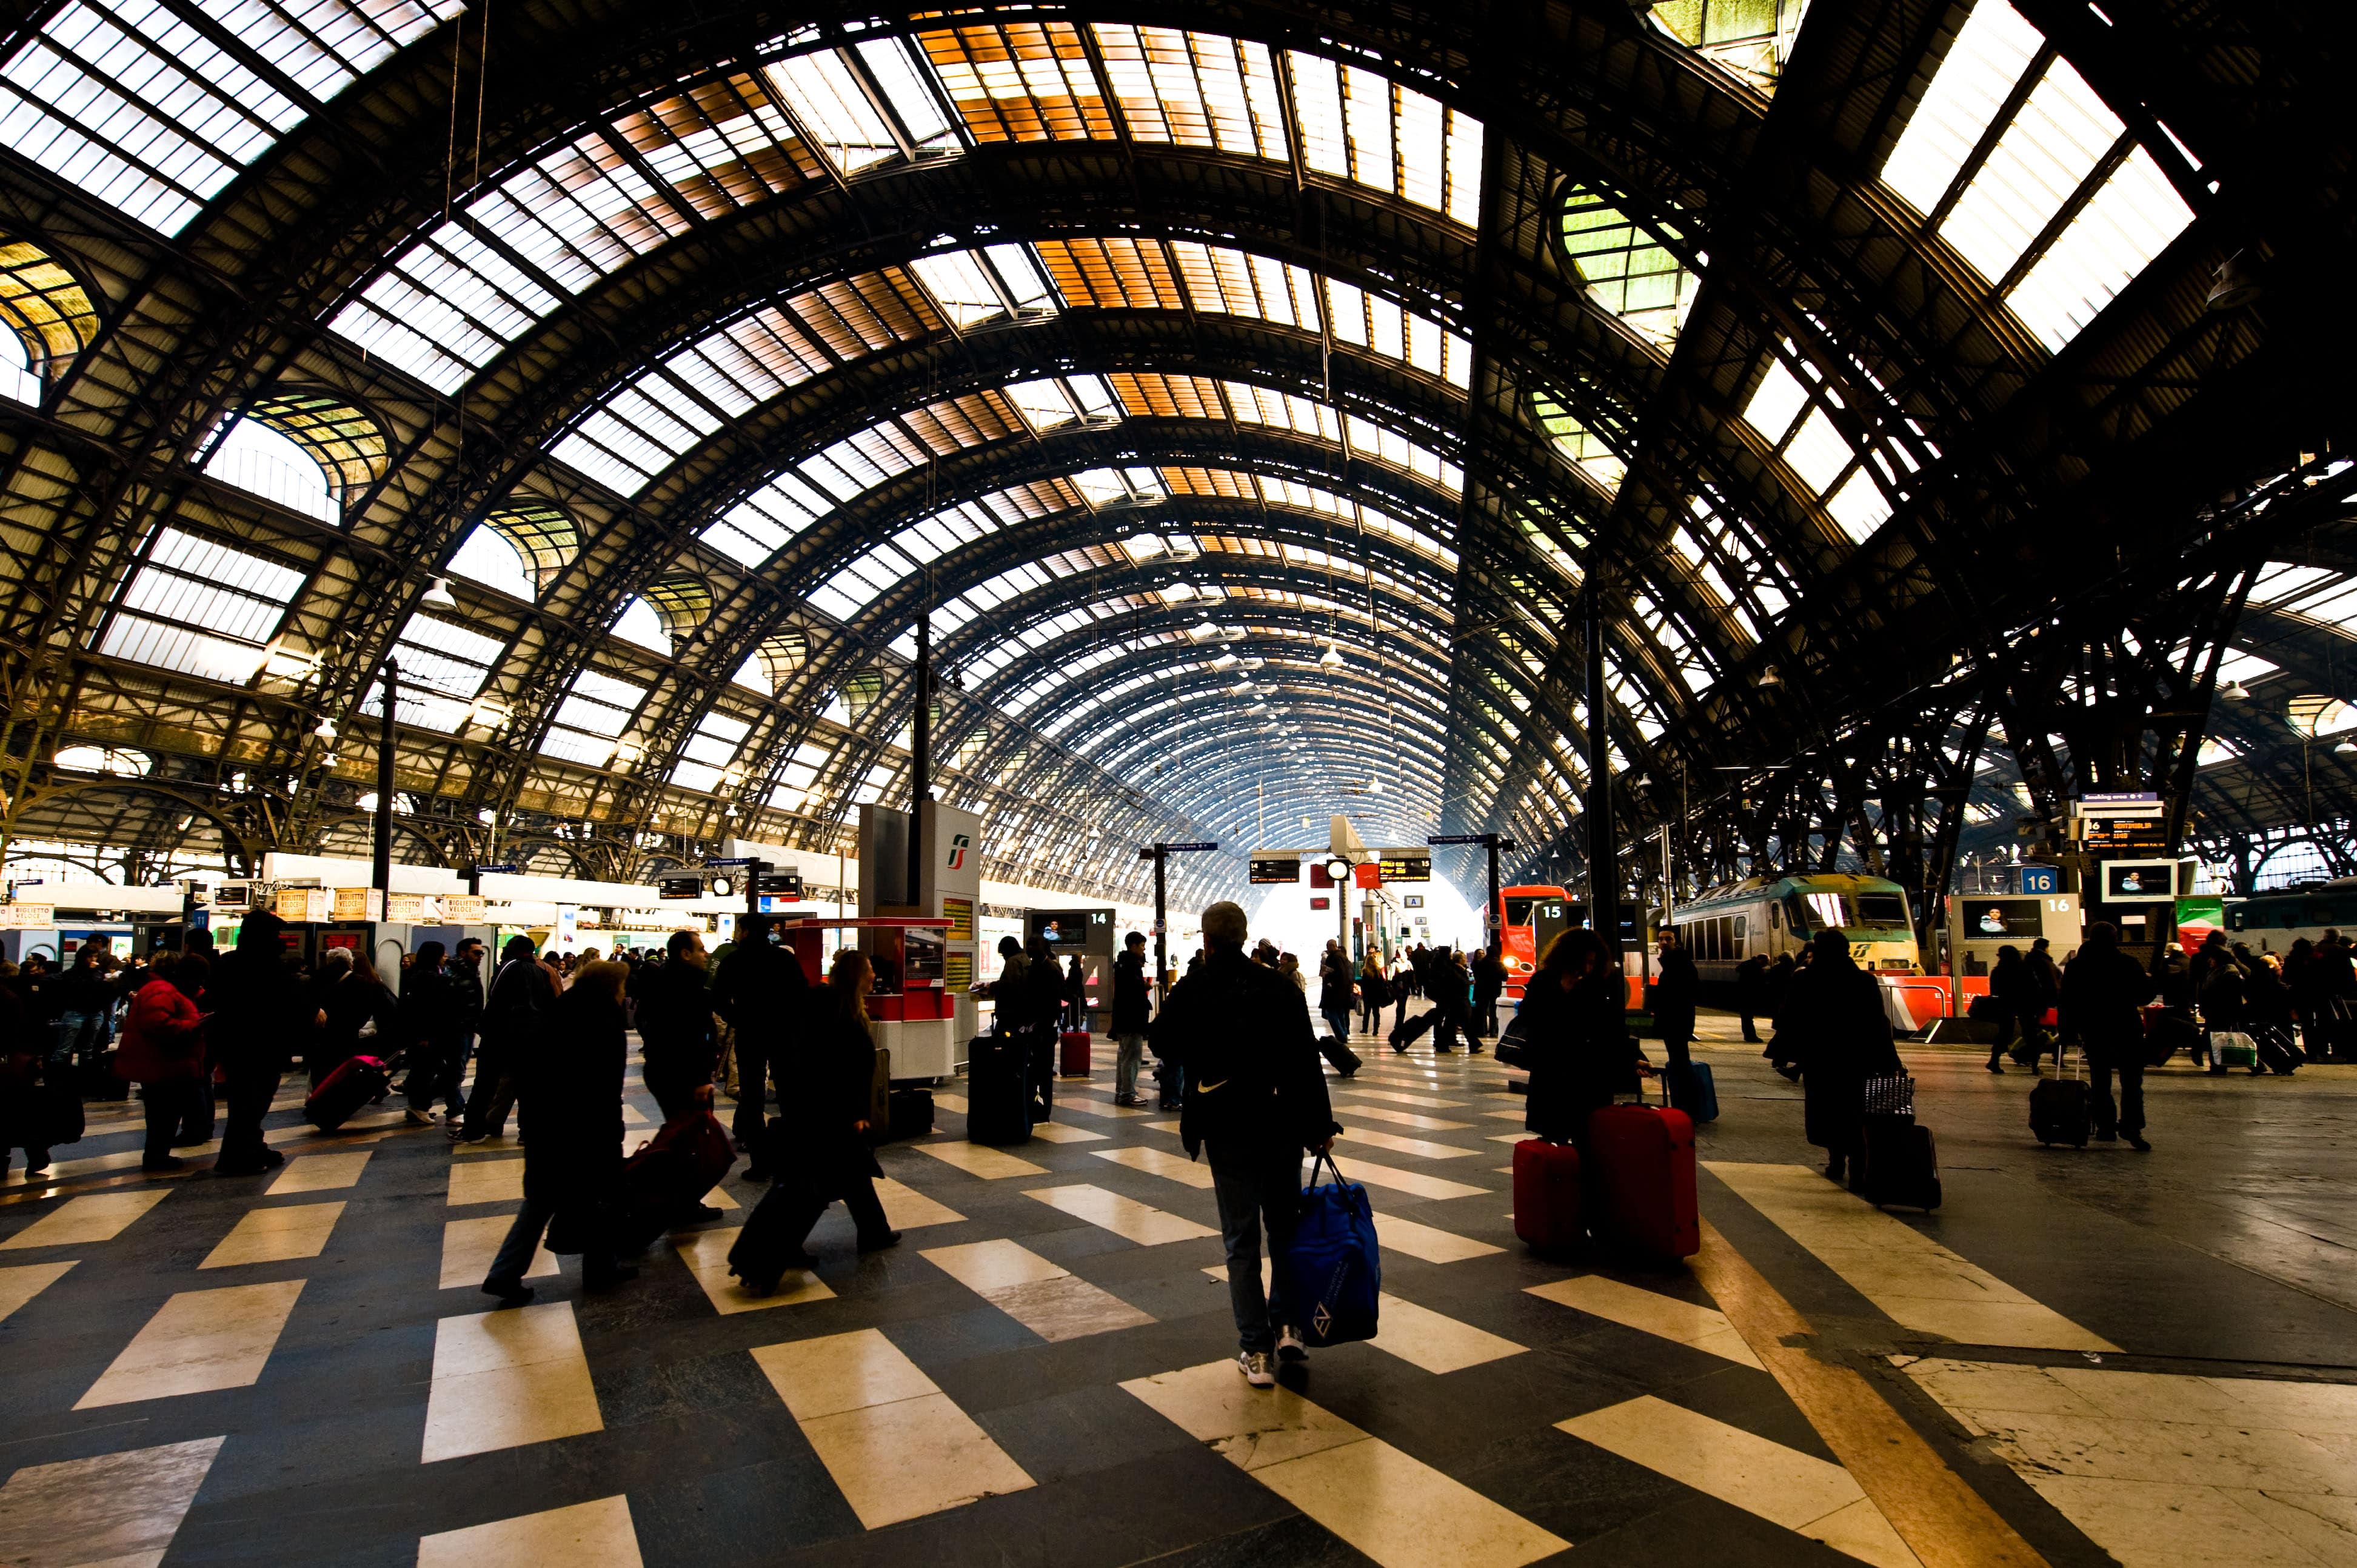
<point>1359,126</point>
<point>1817,452</point>
<point>907,90</point>
<point>201,608</point>
<point>1051,404</point>
<point>710,757</point>
<point>1194,89</point>
<point>1751,38</point>
<point>1626,267</point>
<point>962,286</point>
<point>1775,405</point>
<point>1023,81</point>
<point>2116,236</point>
<point>640,623</point>
<point>759,526</point>
<point>591,718</point>
<point>444,667</point>
<point>2051,146</point>
<point>2063,152</point>
<point>828,98</point>
<point>1582,447</point>
<point>1860,506</point>
<point>487,557</point>
<point>636,433</point>
<point>253,456</point>
<point>138,107</point>
<point>1988,57</point>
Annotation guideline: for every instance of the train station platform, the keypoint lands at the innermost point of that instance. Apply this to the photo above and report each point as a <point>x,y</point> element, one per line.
<point>2082,1356</point>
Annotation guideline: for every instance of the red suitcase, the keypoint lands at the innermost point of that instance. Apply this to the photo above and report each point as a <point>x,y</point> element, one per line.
<point>1642,1180</point>
<point>1548,1195</point>
<point>671,1174</point>
<point>1074,1054</point>
<point>354,1084</point>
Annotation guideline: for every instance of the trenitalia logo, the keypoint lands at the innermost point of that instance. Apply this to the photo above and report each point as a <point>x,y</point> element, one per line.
<point>959,844</point>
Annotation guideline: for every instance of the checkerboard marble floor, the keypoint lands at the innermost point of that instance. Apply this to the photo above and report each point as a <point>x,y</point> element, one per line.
<point>297,1367</point>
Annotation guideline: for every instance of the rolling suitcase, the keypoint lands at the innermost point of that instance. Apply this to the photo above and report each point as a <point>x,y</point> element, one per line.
<point>2061,1110</point>
<point>97,1081</point>
<point>1073,1053</point>
<point>999,1091</point>
<point>1900,1163</point>
<point>2277,1053</point>
<point>771,1241</point>
<point>1345,1061</point>
<point>353,1085</point>
<point>2168,1030</point>
<point>1415,1029</point>
<point>1691,1090</point>
<point>1548,1195</point>
<point>1641,1190</point>
<point>670,1175</point>
<point>911,1114</point>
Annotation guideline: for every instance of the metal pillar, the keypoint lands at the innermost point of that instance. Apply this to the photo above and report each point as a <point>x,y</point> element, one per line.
<point>380,851</point>
<point>1603,878</point>
<point>921,759</point>
<point>1492,917</point>
<point>1161,929</point>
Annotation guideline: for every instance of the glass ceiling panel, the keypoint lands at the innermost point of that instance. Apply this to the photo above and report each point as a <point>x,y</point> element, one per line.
<point>1753,39</point>
<point>1154,275</point>
<point>1581,446</point>
<point>646,425</point>
<point>132,102</point>
<point>1200,397</point>
<point>1626,268</point>
<point>2063,152</point>
<point>201,608</point>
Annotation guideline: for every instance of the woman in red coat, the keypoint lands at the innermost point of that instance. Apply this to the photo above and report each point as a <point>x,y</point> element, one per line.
<point>162,1051</point>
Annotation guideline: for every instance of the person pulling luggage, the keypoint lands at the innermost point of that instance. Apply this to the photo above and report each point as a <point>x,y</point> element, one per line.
<point>822,1151</point>
<point>1834,1017</point>
<point>1255,1103</point>
<point>2104,990</point>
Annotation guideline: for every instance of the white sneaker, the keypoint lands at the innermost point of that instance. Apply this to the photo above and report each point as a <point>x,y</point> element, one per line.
<point>1254,1366</point>
<point>1289,1347</point>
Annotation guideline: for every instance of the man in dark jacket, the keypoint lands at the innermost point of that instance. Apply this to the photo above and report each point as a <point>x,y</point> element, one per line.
<point>1256,1100</point>
<point>260,1010</point>
<point>1131,1018</point>
<point>522,994</point>
<point>1488,984</point>
<point>763,994</point>
<point>1751,993</point>
<point>1446,982</point>
<point>2103,991</point>
<point>426,1027</point>
<point>675,1039</point>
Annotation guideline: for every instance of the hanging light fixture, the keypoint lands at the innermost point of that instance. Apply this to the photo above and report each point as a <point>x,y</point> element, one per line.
<point>1769,677</point>
<point>2235,692</point>
<point>439,594</point>
<point>1332,657</point>
<point>327,730</point>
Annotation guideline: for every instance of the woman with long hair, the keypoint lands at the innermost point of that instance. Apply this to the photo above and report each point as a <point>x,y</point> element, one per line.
<point>821,1147</point>
<point>1576,1028</point>
<point>1373,991</point>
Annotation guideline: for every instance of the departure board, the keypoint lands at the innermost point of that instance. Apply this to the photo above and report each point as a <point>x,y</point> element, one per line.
<point>1406,868</point>
<point>1288,869</point>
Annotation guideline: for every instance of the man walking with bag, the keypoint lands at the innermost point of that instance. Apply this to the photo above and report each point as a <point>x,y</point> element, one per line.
<point>1257,1101</point>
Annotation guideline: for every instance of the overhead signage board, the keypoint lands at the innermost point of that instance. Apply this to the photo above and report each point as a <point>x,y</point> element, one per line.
<point>462,908</point>
<point>786,885</point>
<point>2139,882</point>
<point>688,886</point>
<point>1413,900</point>
<point>2102,833</point>
<point>505,868</point>
<point>27,917</point>
<point>1406,867</point>
<point>359,904</point>
<point>303,905</point>
<point>1275,872</point>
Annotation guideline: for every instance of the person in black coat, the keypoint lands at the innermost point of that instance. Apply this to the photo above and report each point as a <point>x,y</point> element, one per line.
<point>1255,1101</point>
<point>1576,1033</point>
<point>522,995</point>
<point>1076,996</point>
<point>262,1009</point>
<point>2103,992</point>
<point>360,1019</point>
<point>675,1037</point>
<point>568,1078</point>
<point>762,992</point>
<point>824,1153</point>
<point>1834,1028</point>
<point>1372,991</point>
<point>425,1025</point>
<point>1751,993</point>
<point>1488,985</point>
<point>1446,984</point>
<point>1133,1014</point>
<point>1675,995</point>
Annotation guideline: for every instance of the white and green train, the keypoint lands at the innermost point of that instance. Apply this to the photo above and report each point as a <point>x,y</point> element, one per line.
<point>1783,915</point>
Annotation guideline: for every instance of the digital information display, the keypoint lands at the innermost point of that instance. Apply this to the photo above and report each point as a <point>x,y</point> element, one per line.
<point>1988,918</point>
<point>2102,833</point>
<point>2140,882</point>
<point>1406,867</point>
<point>680,886</point>
<point>1275,872</point>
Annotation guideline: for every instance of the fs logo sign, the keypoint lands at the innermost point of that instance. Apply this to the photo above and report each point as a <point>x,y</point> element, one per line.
<point>959,844</point>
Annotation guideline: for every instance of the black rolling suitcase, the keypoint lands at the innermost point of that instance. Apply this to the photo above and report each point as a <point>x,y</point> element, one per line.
<point>911,1114</point>
<point>1900,1163</point>
<point>2061,1110</point>
<point>998,1091</point>
<point>1344,1060</point>
<point>2277,1052</point>
<point>1415,1029</point>
<point>771,1241</point>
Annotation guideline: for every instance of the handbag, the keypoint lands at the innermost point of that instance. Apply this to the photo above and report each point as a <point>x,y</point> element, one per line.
<point>1514,1050</point>
<point>1332,1270</point>
<point>1891,1094</point>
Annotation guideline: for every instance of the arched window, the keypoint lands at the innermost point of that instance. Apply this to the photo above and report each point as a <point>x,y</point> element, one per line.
<point>49,315</point>
<point>489,557</point>
<point>308,451</point>
<point>639,623</point>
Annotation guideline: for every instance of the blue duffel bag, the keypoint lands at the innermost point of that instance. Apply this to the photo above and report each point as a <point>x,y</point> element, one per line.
<point>1333,1272</point>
